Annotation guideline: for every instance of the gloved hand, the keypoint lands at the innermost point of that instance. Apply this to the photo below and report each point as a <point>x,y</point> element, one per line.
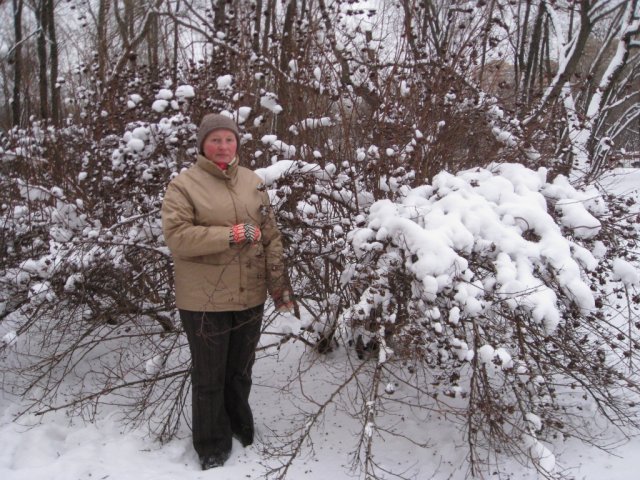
<point>244,233</point>
<point>283,301</point>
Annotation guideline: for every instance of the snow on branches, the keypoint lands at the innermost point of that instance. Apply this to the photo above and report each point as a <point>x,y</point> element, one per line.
<point>490,281</point>
<point>486,236</point>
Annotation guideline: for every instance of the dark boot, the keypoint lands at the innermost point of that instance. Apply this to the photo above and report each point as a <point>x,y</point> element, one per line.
<point>214,460</point>
<point>244,435</point>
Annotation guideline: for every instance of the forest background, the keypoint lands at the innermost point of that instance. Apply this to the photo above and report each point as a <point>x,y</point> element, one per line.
<point>370,123</point>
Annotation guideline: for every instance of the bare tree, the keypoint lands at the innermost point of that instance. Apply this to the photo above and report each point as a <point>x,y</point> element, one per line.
<point>48,61</point>
<point>134,26</point>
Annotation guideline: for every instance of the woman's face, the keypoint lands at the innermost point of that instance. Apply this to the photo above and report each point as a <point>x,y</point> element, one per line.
<point>220,146</point>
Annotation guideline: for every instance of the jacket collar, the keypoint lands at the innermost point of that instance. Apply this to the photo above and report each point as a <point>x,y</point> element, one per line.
<point>211,168</point>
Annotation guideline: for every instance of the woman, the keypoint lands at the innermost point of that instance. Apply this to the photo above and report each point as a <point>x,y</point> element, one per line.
<point>227,254</point>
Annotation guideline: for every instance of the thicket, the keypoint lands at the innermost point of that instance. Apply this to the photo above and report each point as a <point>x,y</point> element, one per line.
<point>86,287</point>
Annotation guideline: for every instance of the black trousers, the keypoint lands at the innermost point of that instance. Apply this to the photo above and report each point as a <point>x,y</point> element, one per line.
<point>223,346</point>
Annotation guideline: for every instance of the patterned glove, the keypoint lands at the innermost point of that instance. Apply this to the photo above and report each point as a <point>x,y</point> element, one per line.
<point>243,233</point>
<point>283,301</point>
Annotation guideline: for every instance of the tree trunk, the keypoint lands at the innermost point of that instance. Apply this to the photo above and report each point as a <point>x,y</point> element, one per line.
<point>122,27</point>
<point>568,65</point>
<point>176,42</point>
<point>16,107</point>
<point>485,42</point>
<point>255,41</point>
<point>287,43</point>
<point>41,22</point>
<point>153,39</point>
<point>131,44</point>
<point>218,19</point>
<point>130,18</point>
<point>269,15</point>
<point>519,60</point>
<point>528,80</point>
<point>53,56</point>
<point>103,49</point>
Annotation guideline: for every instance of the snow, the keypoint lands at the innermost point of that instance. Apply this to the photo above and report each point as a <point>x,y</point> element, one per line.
<point>57,447</point>
<point>71,283</point>
<point>541,454</point>
<point>311,123</point>
<point>134,99</point>
<point>288,151</point>
<point>625,272</point>
<point>270,102</point>
<point>405,90</point>
<point>136,144</point>
<point>480,210</point>
<point>154,365</point>
<point>10,338</point>
<point>224,82</point>
<point>140,132</point>
<point>242,115</point>
<point>185,91</point>
<point>164,94</point>
<point>494,358</point>
<point>160,105</point>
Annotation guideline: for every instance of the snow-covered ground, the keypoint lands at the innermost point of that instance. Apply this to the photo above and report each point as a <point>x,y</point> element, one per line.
<point>59,448</point>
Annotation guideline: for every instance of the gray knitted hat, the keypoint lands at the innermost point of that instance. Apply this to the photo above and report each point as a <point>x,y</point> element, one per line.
<point>215,121</point>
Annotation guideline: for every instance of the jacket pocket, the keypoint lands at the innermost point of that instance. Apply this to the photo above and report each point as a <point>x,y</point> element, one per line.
<point>254,266</point>
<point>219,259</point>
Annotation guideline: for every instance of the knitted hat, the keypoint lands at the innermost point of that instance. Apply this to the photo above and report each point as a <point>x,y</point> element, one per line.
<point>215,121</point>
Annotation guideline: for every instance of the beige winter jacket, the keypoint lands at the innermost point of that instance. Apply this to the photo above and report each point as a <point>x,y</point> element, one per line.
<point>199,207</point>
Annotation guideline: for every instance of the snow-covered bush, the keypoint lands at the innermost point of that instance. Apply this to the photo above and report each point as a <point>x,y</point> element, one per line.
<point>484,280</point>
<point>86,281</point>
<point>488,292</point>
<point>499,296</point>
